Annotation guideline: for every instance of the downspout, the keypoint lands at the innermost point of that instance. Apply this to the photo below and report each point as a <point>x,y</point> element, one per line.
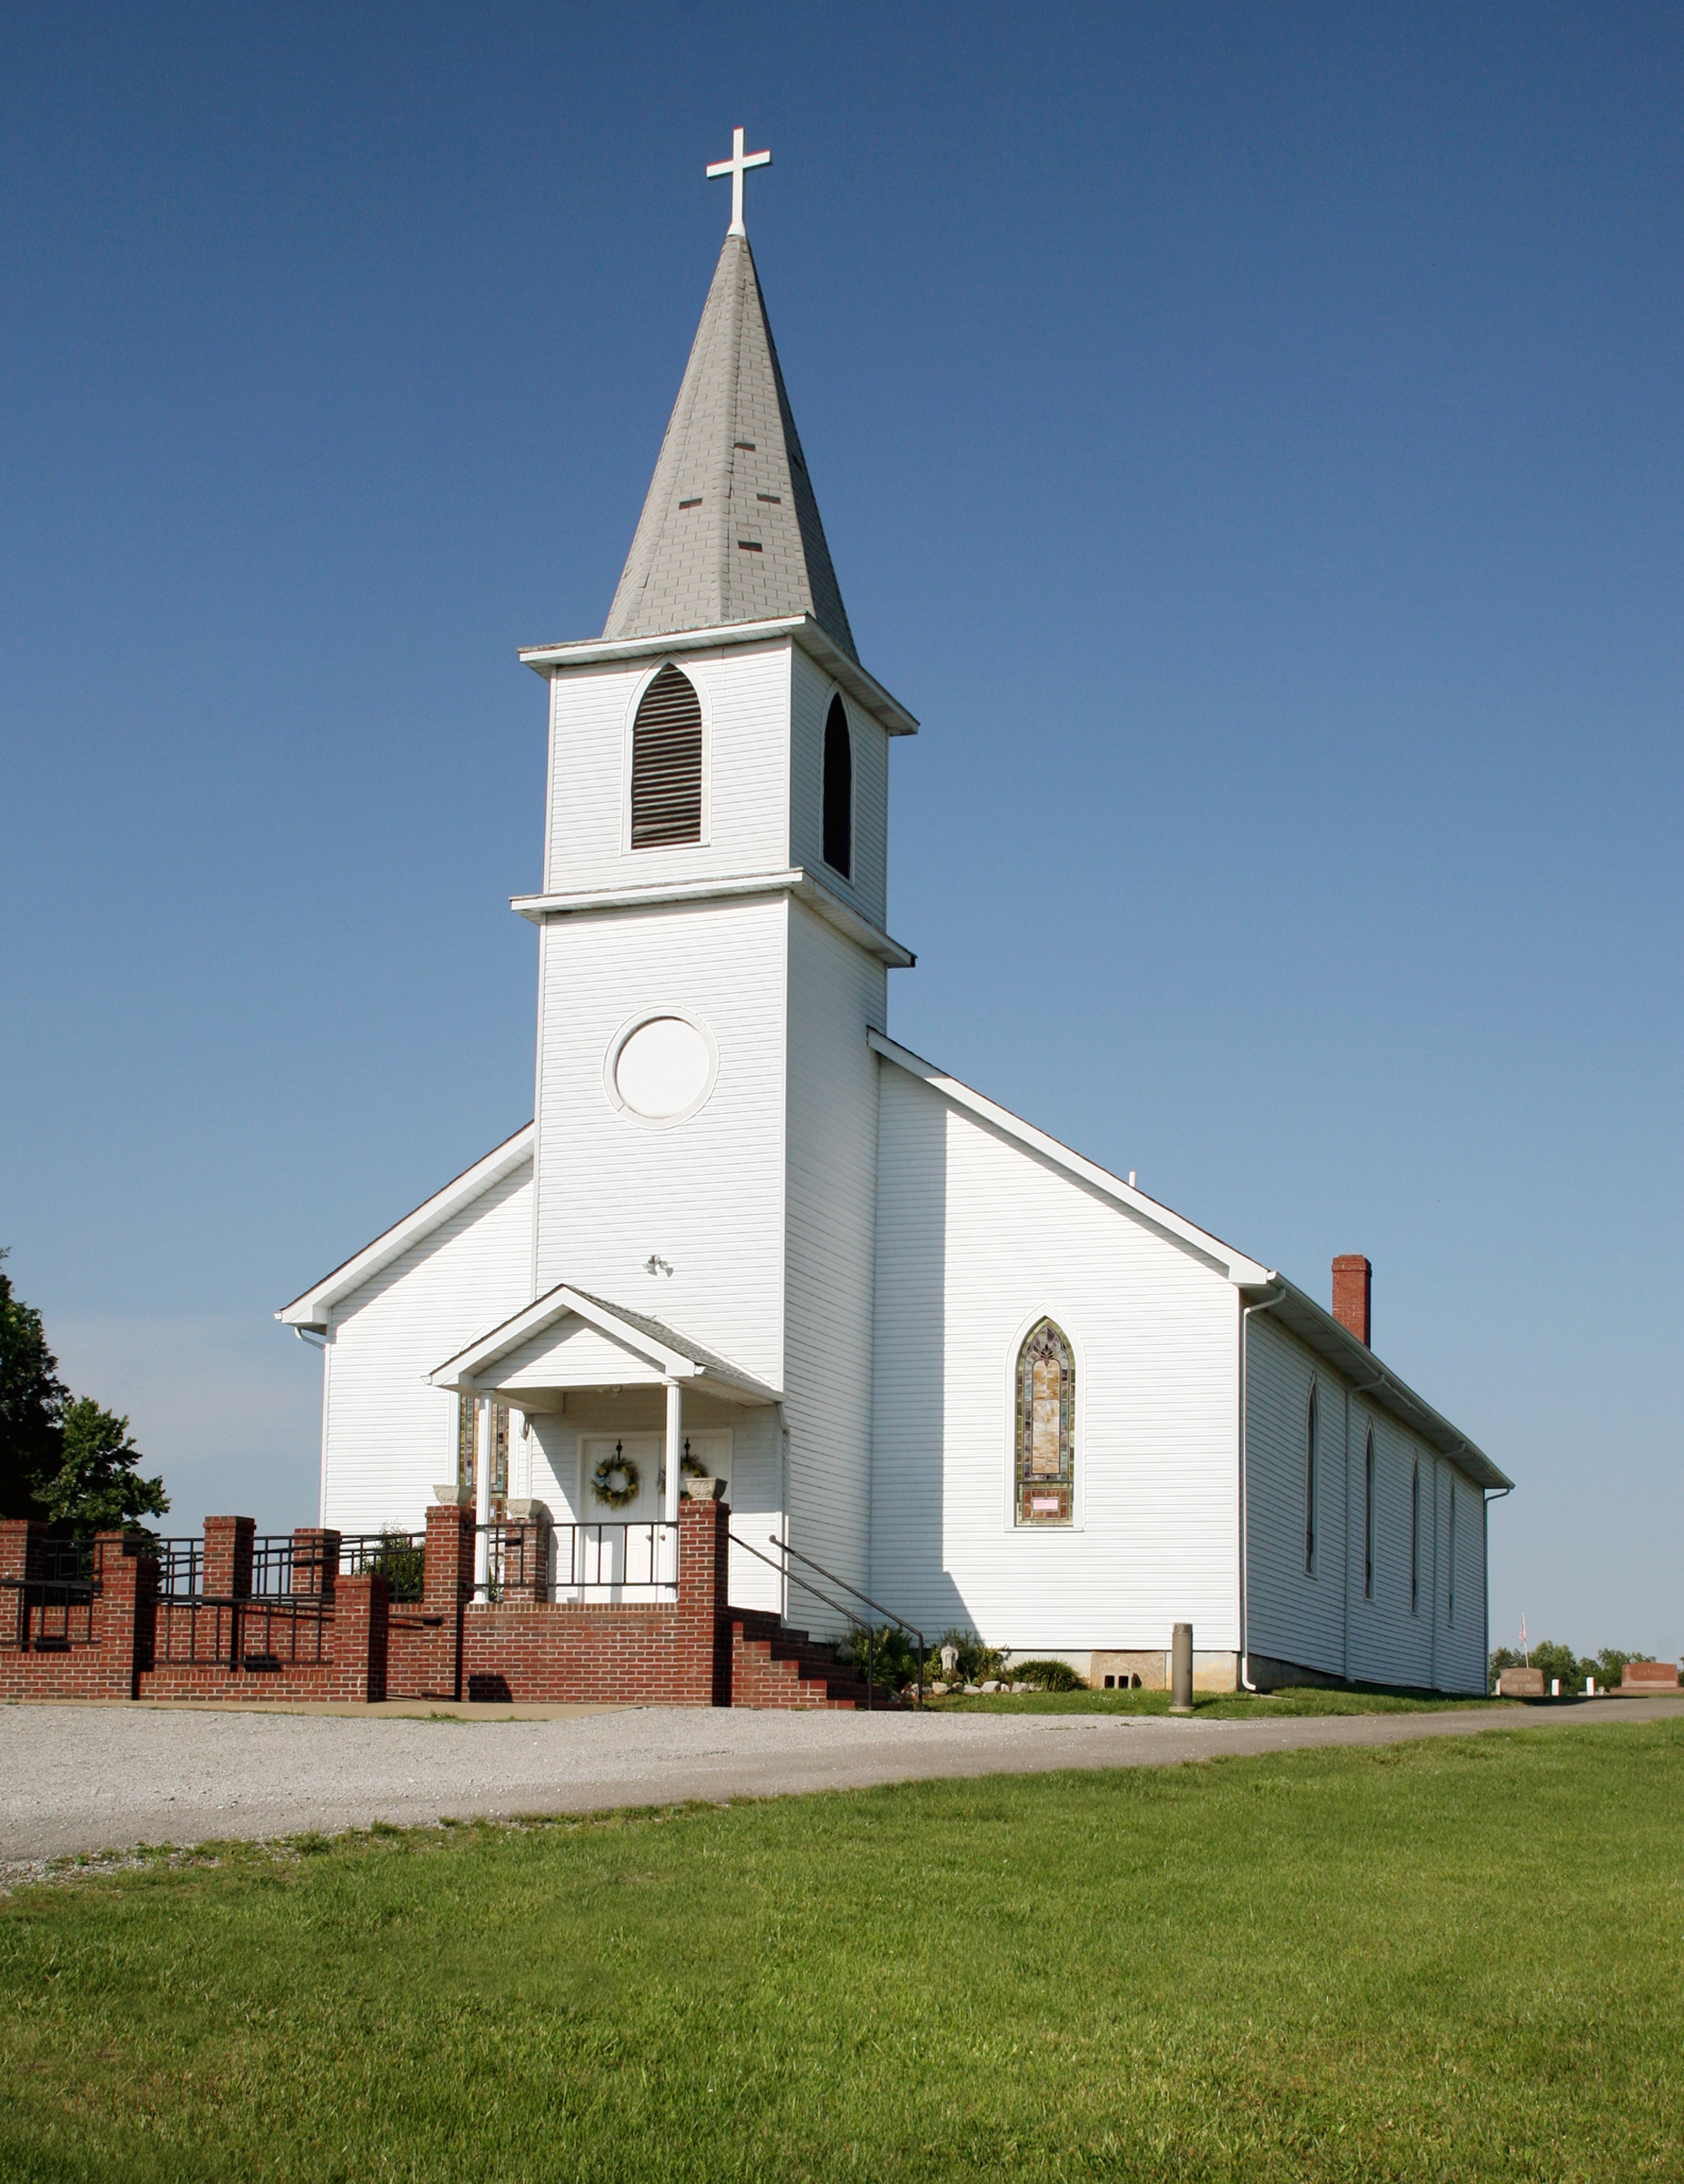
<point>1485,1500</point>
<point>1265,1304</point>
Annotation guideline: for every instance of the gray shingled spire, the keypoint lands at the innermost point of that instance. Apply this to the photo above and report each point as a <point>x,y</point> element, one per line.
<point>730,530</point>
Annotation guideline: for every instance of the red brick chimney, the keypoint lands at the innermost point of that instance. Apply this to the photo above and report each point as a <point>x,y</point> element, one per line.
<point>1353,1294</point>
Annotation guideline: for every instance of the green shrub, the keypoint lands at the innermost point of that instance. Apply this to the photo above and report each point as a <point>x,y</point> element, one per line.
<point>893,1656</point>
<point>1046,1675</point>
<point>977,1663</point>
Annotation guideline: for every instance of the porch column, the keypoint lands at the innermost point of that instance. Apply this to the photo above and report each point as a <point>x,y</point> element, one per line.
<point>675,1449</point>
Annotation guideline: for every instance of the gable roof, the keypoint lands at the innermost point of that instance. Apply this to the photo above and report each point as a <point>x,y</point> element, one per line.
<point>1234,1266</point>
<point>1315,1326</point>
<point>312,1309</point>
<point>671,1356</point>
<point>731,530</point>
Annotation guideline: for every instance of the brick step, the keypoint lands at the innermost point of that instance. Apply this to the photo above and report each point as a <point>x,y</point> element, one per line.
<point>782,1646</point>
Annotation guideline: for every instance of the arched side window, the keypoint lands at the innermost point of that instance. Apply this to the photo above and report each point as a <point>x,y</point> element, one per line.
<point>1312,1430</point>
<point>1449,1610</point>
<point>1046,1427</point>
<point>1414,1538</point>
<point>1368,1518</point>
<point>666,763</point>
<point>837,791</point>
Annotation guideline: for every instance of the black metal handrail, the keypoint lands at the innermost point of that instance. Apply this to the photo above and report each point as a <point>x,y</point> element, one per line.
<point>517,1555</point>
<point>794,1578</point>
<point>399,1557</point>
<point>592,1539</point>
<point>180,1566</point>
<point>899,1622</point>
<point>45,1594</point>
<point>230,1619</point>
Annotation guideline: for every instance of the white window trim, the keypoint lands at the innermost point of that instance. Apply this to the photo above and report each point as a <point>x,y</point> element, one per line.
<point>690,669</point>
<point>635,1022</point>
<point>1063,1321</point>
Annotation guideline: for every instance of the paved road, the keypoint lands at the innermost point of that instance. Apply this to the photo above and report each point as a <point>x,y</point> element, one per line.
<point>90,1778</point>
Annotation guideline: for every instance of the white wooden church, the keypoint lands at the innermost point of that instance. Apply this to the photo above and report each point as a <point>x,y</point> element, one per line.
<point>746,1233</point>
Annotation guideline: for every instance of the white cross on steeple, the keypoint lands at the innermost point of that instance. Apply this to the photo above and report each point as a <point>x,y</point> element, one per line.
<point>736,166</point>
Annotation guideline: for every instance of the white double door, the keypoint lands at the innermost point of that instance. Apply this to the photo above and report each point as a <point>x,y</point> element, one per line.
<point>625,1548</point>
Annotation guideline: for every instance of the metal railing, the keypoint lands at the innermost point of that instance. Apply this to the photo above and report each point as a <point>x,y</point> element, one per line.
<point>399,1557</point>
<point>211,1631</point>
<point>609,1556</point>
<point>58,1592</point>
<point>794,1577</point>
<point>277,1566</point>
<point>511,1558</point>
<point>180,1567</point>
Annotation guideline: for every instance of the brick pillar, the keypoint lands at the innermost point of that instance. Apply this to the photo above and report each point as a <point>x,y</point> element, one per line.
<point>704,1588</point>
<point>18,1537</point>
<point>533,1557</point>
<point>315,1560</point>
<point>227,1557</point>
<point>361,1608</point>
<point>447,1586</point>
<point>127,1581</point>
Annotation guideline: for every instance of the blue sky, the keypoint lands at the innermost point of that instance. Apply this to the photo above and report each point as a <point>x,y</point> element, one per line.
<point>1249,439</point>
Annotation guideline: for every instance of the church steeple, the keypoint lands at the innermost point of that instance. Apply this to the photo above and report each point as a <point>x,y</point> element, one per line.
<point>731,530</point>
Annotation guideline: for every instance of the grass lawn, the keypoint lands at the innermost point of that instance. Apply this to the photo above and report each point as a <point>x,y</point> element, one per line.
<point>1458,1959</point>
<point>1209,1705</point>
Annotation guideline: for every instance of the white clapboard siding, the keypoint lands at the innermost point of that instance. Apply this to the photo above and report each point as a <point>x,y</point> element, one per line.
<point>705,1195</point>
<point>976,1237</point>
<point>1327,1622</point>
<point>835,991</point>
<point>572,1354</point>
<point>866,889</point>
<point>390,1438</point>
<point>1289,1605</point>
<point>745,708</point>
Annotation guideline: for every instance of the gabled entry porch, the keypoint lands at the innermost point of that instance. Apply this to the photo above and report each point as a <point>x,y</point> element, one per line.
<point>611,1419</point>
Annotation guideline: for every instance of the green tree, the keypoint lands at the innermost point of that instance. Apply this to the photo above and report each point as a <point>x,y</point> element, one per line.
<point>97,1486</point>
<point>31,1402</point>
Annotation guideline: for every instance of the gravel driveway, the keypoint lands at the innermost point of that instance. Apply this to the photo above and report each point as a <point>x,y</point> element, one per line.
<point>89,1778</point>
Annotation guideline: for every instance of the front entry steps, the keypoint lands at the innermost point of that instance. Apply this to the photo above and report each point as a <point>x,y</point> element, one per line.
<point>773,1665</point>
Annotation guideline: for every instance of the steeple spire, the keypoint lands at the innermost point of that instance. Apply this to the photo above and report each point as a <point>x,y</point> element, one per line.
<point>731,530</point>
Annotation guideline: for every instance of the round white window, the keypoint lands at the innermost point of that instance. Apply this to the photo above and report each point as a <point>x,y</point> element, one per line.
<point>660,1069</point>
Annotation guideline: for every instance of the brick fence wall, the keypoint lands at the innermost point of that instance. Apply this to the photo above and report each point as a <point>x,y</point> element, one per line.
<point>55,1647</point>
<point>342,1638</point>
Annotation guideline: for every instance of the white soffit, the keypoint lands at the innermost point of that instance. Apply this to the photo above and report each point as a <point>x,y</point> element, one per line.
<point>312,1309</point>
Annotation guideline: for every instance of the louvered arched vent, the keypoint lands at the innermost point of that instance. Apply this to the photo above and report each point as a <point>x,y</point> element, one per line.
<point>666,763</point>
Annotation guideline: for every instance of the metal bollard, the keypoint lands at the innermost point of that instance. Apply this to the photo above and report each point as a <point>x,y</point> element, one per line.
<point>1181,1670</point>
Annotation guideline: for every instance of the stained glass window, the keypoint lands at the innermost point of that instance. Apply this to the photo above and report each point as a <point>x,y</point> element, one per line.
<point>466,1442</point>
<point>499,1464</point>
<point>1046,1410</point>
